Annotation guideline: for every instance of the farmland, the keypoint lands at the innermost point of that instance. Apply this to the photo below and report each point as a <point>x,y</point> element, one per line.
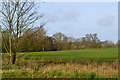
<point>109,54</point>
<point>83,63</point>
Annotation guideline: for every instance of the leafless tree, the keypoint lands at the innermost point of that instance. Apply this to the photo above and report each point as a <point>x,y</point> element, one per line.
<point>15,18</point>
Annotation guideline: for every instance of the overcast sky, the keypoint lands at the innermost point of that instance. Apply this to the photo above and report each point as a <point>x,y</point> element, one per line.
<point>80,18</point>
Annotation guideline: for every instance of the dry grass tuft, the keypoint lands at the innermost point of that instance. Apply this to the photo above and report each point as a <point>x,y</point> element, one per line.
<point>104,69</point>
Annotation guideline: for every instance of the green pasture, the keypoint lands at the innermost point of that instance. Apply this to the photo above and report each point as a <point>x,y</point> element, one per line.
<point>106,54</point>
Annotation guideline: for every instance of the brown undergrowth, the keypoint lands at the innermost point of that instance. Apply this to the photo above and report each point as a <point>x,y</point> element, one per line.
<point>104,69</point>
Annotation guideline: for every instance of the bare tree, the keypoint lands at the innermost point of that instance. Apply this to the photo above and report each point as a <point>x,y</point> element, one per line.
<point>16,17</point>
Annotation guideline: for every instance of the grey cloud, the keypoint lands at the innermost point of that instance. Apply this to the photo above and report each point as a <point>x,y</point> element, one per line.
<point>72,15</point>
<point>63,16</point>
<point>106,21</point>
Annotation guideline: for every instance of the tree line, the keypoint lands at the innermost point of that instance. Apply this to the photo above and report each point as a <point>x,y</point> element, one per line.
<point>35,40</point>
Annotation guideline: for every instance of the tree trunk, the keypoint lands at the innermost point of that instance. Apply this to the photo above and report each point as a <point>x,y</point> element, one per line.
<point>43,49</point>
<point>13,58</point>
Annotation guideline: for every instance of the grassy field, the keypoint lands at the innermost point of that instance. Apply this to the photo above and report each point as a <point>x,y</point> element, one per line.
<point>64,64</point>
<point>108,54</point>
<point>84,54</point>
